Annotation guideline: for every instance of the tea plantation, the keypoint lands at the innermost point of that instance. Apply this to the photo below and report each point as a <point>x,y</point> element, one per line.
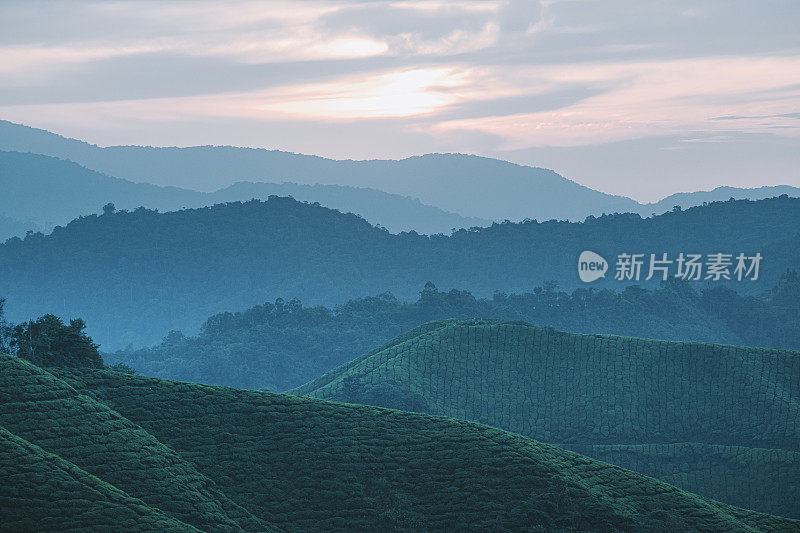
<point>720,421</point>
<point>100,450</point>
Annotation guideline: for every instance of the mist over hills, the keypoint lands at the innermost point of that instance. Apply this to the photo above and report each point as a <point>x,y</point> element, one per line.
<point>102,447</point>
<point>399,266</point>
<point>41,192</point>
<point>471,186</point>
<point>468,185</point>
<point>477,188</point>
<point>133,276</point>
<point>14,227</point>
<point>282,345</point>
<point>715,420</point>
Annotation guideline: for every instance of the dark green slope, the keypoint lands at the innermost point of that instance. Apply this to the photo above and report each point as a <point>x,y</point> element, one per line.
<point>311,465</point>
<point>41,491</point>
<point>47,412</point>
<point>343,466</point>
<point>716,420</point>
<point>736,474</point>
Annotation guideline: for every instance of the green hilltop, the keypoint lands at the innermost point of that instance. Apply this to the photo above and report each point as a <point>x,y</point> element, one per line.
<point>99,449</point>
<point>717,420</point>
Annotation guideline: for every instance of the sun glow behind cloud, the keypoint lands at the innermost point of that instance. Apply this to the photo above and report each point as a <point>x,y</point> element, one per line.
<point>402,93</point>
<point>443,75</point>
<point>437,51</point>
<point>391,94</point>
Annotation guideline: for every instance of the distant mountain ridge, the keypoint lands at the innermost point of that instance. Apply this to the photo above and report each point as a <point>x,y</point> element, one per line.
<point>47,191</point>
<point>719,194</point>
<point>471,186</point>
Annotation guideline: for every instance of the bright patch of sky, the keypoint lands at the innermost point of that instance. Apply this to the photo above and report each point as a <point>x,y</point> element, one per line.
<point>564,84</point>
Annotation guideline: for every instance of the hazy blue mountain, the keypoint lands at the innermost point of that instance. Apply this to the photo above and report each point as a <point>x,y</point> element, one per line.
<point>52,191</point>
<point>469,185</point>
<point>472,186</point>
<point>136,275</point>
<point>10,227</point>
<point>41,192</point>
<point>720,194</point>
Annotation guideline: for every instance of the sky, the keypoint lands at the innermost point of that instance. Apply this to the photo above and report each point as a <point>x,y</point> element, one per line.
<point>633,97</point>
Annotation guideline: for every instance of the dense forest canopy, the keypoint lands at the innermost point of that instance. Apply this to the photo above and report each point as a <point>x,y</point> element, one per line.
<point>136,275</point>
<point>284,344</point>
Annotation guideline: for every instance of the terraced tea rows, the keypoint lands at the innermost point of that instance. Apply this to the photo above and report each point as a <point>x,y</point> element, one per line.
<point>717,420</point>
<point>184,456</point>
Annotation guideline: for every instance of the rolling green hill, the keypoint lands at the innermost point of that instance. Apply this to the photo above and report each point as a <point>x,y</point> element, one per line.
<point>95,449</point>
<point>717,420</point>
<point>49,413</point>
<point>43,492</point>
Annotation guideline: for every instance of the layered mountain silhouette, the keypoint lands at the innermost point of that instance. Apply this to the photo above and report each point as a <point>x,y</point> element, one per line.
<point>41,192</point>
<point>477,188</point>
<point>468,185</point>
<point>716,420</point>
<point>92,450</point>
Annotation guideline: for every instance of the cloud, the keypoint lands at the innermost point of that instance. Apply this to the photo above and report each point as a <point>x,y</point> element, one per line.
<point>756,117</point>
<point>648,98</point>
<point>478,76</point>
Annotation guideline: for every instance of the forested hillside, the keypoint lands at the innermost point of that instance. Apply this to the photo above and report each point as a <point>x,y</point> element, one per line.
<point>720,421</point>
<point>283,344</point>
<point>97,449</point>
<point>133,276</point>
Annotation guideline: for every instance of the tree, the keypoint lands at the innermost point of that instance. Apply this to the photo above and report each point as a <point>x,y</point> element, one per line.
<point>109,209</point>
<point>48,342</point>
